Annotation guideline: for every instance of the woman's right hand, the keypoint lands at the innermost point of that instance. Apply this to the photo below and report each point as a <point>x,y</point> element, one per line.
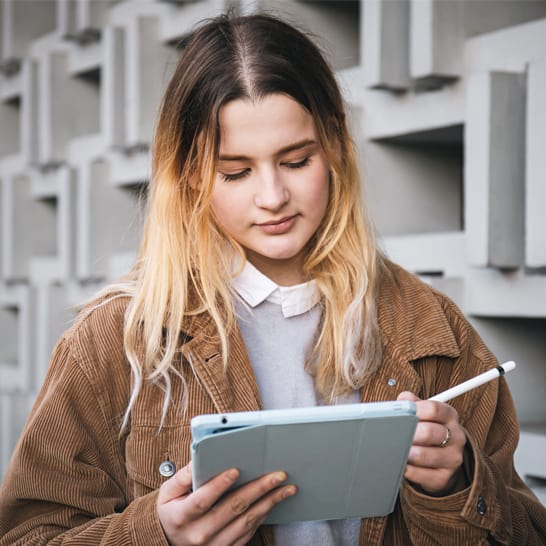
<point>195,517</point>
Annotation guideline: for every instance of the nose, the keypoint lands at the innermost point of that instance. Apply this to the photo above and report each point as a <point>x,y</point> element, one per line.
<point>271,191</point>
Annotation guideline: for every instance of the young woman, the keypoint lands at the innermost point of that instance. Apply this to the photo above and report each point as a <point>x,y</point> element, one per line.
<point>256,246</point>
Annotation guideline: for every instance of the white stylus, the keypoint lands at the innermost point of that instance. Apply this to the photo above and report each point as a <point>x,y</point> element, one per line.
<point>493,373</point>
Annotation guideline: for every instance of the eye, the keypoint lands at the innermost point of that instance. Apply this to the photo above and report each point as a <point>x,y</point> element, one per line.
<point>231,177</point>
<point>298,164</point>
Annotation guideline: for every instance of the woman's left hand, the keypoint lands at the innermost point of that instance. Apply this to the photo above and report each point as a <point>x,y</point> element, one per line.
<point>436,455</point>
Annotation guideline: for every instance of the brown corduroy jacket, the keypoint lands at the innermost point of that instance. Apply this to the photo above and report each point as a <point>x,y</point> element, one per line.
<point>74,479</point>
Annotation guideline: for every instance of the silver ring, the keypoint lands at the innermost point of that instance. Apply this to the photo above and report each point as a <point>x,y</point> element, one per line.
<point>447,438</point>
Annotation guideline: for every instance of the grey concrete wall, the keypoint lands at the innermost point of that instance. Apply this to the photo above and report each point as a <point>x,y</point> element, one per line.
<point>448,107</point>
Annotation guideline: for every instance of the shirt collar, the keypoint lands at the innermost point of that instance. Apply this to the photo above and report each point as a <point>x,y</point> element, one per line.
<point>255,288</point>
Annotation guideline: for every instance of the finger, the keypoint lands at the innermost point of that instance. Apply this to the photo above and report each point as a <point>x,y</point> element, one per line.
<point>434,482</point>
<point>205,497</point>
<point>243,527</point>
<point>177,486</point>
<point>406,395</point>
<point>438,412</point>
<point>435,457</point>
<point>429,433</point>
<point>431,410</point>
<point>216,524</point>
<point>239,501</point>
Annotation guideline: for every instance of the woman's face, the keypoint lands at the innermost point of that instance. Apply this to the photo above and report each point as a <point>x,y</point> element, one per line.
<point>272,183</point>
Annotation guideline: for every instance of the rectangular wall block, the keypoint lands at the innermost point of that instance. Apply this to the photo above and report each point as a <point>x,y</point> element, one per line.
<point>14,409</point>
<point>81,20</point>
<point>69,107</point>
<point>17,313</point>
<point>147,72</point>
<point>385,43</point>
<point>113,112</point>
<point>98,241</point>
<point>495,169</point>
<point>28,227</point>
<point>10,123</point>
<point>535,166</point>
<point>29,112</point>
<point>24,21</point>
<point>436,39</point>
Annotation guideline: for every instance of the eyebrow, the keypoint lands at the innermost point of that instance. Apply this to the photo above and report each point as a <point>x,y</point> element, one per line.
<point>284,150</point>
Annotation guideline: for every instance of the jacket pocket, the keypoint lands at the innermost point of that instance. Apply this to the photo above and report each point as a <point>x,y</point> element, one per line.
<point>147,449</point>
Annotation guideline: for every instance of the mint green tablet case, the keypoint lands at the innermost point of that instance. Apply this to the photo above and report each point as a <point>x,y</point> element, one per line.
<point>344,465</point>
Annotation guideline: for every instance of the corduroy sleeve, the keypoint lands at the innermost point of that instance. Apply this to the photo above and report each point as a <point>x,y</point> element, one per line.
<point>497,507</point>
<point>66,481</point>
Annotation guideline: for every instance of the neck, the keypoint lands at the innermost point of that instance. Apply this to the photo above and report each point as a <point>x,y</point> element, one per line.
<point>282,272</point>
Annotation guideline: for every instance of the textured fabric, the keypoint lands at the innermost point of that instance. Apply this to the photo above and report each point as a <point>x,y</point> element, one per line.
<point>74,479</point>
<point>278,357</point>
<point>341,532</point>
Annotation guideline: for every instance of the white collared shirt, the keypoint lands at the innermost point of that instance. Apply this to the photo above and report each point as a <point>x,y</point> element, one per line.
<point>254,287</point>
<point>278,325</point>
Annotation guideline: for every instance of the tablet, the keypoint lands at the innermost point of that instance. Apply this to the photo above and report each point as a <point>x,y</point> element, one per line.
<point>347,460</point>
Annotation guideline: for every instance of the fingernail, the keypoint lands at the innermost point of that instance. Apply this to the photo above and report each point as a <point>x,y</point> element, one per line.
<point>289,491</point>
<point>279,477</point>
<point>232,474</point>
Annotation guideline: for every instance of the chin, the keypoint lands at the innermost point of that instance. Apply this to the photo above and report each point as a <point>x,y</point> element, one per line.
<point>281,256</point>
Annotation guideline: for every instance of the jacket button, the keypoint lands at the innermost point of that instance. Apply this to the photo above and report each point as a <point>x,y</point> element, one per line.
<point>167,469</point>
<point>481,507</point>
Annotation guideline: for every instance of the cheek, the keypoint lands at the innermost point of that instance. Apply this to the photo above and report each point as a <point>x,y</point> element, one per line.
<point>321,194</point>
<point>226,211</point>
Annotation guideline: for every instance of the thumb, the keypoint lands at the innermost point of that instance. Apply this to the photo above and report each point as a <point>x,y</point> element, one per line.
<point>177,486</point>
<point>406,395</point>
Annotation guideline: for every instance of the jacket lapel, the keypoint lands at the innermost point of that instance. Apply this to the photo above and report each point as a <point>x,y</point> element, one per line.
<point>412,322</point>
<point>231,389</point>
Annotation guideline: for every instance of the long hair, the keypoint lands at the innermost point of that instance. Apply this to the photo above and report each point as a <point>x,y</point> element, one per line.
<point>184,268</point>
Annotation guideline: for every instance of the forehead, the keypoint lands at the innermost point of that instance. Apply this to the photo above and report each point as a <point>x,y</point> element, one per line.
<point>256,127</point>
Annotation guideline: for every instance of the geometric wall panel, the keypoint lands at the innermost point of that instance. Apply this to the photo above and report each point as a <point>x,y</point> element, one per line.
<point>23,22</point>
<point>341,48</point>
<point>426,177</point>
<point>98,241</point>
<point>61,117</point>
<point>28,227</point>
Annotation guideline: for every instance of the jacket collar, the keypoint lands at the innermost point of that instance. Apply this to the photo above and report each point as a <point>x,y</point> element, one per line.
<point>411,318</point>
<point>412,325</point>
<point>231,389</point>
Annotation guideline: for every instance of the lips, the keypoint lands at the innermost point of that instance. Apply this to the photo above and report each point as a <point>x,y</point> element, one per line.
<point>278,227</point>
